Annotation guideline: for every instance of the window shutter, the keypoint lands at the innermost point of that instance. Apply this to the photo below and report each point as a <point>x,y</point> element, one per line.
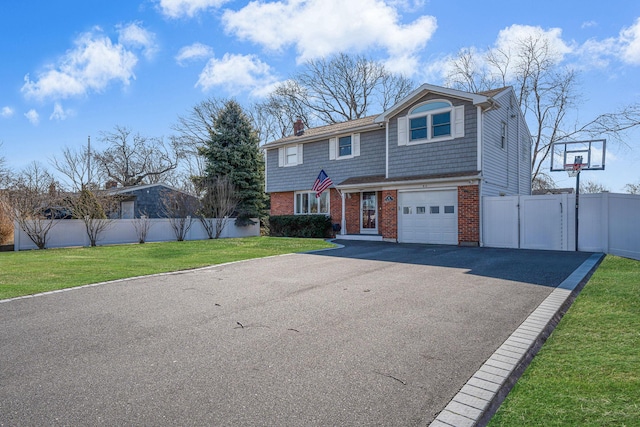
<point>403,137</point>
<point>333,142</point>
<point>458,122</point>
<point>355,142</point>
<point>280,157</point>
<point>299,156</point>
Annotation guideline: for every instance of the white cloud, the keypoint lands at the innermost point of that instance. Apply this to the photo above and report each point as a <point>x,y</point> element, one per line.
<point>187,8</point>
<point>589,24</point>
<point>60,113</point>
<point>93,63</point>
<point>6,112</point>
<point>33,117</point>
<point>630,43</point>
<point>511,37</point>
<point>193,52</point>
<point>134,35</point>
<point>319,28</point>
<point>236,73</point>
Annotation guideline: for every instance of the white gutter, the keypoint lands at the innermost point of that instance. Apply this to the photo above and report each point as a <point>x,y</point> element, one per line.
<point>343,225</point>
<point>386,162</point>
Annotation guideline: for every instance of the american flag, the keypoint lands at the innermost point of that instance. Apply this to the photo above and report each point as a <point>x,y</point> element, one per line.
<point>322,183</point>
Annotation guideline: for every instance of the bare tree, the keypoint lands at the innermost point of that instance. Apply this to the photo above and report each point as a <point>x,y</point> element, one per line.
<point>592,187</point>
<point>5,173</point>
<point>542,182</point>
<point>92,208</point>
<point>179,208</point>
<point>546,92</point>
<point>132,159</point>
<point>32,202</point>
<point>76,166</point>
<point>142,225</point>
<point>632,188</point>
<point>195,130</point>
<point>218,202</point>
<point>330,90</point>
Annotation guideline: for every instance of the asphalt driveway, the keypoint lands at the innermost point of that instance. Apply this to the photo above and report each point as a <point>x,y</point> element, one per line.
<point>370,334</point>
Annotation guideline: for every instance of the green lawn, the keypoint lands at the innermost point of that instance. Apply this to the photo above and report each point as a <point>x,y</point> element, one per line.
<point>588,372</point>
<point>31,272</point>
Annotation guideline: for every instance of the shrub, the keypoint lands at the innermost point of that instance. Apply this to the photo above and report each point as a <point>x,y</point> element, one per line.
<point>6,226</point>
<point>318,226</point>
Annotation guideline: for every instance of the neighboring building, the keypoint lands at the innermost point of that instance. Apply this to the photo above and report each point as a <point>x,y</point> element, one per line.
<point>139,200</point>
<point>415,173</point>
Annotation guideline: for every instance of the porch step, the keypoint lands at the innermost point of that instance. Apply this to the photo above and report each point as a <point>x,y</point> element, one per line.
<point>367,237</point>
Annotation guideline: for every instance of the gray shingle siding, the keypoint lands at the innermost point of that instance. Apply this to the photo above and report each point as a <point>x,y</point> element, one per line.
<point>316,157</point>
<point>149,201</point>
<point>457,155</point>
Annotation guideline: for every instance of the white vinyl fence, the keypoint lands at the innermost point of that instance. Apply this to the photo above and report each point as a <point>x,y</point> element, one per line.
<point>71,232</point>
<point>608,223</point>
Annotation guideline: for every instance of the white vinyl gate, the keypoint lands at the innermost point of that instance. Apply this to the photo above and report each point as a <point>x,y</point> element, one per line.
<point>608,223</point>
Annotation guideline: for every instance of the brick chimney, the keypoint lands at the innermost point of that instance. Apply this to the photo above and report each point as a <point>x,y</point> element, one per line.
<point>110,184</point>
<point>298,127</point>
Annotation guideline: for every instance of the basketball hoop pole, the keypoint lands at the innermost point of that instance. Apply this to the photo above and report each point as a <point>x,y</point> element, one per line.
<point>577,205</point>
<point>586,155</point>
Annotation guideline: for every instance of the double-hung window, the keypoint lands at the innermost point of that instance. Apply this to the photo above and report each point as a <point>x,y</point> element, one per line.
<point>306,203</point>
<point>290,155</point>
<point>344,146</point>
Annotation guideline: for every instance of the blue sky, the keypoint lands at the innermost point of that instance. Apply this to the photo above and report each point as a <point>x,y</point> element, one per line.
<point>70,68</point>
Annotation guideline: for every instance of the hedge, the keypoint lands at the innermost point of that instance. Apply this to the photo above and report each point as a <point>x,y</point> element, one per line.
<point>318,226</point>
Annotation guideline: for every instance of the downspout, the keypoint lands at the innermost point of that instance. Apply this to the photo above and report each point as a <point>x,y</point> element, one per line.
<point>343,225</point>
<point>480,132</point>
<point>386,159</point>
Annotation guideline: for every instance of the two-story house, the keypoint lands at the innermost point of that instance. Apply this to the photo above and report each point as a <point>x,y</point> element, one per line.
<point>415,173</point>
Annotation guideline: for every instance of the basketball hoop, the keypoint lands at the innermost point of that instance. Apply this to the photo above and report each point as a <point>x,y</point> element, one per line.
<point>573,169</point>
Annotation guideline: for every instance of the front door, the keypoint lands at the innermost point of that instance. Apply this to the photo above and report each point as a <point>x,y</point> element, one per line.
<point>369,212</point>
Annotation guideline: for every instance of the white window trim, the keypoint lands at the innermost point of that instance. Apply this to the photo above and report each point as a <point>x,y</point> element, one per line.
<point>312,196</point>
<point>456,123</point>
<point>334,149</point>
<point>282,155</point>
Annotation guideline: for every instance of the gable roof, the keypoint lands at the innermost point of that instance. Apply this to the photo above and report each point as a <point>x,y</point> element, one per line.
<point>326,131</point>
<point>483,99</point>
<point>131,189</point>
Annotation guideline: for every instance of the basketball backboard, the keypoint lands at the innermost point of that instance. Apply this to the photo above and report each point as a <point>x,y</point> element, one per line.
<point>589,154</point>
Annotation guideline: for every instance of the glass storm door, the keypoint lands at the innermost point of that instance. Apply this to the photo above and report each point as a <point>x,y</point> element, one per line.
<point>369,220</point>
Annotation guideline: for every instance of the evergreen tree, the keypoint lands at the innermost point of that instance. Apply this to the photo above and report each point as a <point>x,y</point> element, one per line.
<point>233,152</point>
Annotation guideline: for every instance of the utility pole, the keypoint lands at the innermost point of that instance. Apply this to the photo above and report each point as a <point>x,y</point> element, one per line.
<point>89,158</point>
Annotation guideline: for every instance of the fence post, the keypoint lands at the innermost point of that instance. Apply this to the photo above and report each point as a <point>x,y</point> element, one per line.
<point>606,224</point>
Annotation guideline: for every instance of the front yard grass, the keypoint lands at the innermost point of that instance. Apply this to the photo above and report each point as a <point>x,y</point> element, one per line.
<point>31,272</point>
<point>588,371</point>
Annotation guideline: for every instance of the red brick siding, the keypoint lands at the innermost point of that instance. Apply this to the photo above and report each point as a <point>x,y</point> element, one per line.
<point>335,206</point>
<point>388,226</point>
<point>282,203</point>
<point>352,212</point>
<point>468,215</point>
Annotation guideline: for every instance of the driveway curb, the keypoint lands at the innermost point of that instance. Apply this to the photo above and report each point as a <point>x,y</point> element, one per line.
<point>479,399</point>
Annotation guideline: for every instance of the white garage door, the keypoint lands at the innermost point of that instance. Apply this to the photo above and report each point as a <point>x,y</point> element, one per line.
<point>429,217</point>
